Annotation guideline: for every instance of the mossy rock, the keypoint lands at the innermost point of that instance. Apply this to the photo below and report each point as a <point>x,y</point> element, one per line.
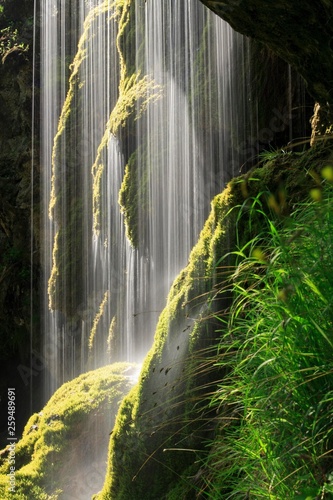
<point>162,426</point>
<point>63,448</point>
<point>133,198</point>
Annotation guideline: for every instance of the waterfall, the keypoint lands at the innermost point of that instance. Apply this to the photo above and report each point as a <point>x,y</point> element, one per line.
<point>142,123</point>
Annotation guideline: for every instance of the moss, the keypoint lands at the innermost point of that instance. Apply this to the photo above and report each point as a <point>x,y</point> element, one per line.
<point>68,438</point>
<point>112,334</point>
<point>64,288</point>
<point>68,201</point>
<point>153,417</point>
<point>135,93</point>
<point>97,319</point>
<point>132,89</point>
<point>133,197</point>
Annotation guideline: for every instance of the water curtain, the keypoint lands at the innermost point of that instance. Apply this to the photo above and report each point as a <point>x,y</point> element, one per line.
<point>143,112</point>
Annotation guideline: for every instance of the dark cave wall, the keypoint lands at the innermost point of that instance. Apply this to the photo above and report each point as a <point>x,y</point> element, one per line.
<point>299,32</point>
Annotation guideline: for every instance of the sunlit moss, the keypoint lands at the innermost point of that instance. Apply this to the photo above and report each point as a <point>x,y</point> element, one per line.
<point>111,336</point>
<point>158,403</point>
<point>55,442</point>
<point>52,284</point>
<point>135,93</point>
<point>74,84</point>
<point>98,318</point>
<point>133,198</point>
<point>65,292</point>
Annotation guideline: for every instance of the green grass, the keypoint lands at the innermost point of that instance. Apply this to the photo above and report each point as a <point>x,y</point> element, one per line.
<point>275,437</point>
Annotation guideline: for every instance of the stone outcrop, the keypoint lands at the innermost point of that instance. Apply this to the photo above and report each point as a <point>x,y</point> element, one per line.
<point>299,32</point>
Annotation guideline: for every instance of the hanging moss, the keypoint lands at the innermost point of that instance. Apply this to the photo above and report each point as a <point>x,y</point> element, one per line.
<point>64,288</point>
<point>134,94</point>
<point>133,197</point>
<point>97,319</point>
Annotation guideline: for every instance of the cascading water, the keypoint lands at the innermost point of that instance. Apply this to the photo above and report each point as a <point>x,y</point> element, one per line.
<point>155,116</point>
<point>188,138</point>
<point>146,113</point>
<point>54,75</point>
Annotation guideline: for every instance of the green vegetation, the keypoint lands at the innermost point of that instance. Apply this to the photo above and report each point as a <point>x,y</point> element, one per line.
<point>66,441</point>
<point>134,93</point>
<point>275,433</point>
<point>9,43</point>
<point>97,319</point>
<point>157,414</point>
<point>234,397</point>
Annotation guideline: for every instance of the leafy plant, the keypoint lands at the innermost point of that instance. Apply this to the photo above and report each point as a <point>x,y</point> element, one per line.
<point>9,41</point>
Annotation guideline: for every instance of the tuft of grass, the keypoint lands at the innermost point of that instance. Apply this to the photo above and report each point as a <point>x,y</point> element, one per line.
<point>275,437</point>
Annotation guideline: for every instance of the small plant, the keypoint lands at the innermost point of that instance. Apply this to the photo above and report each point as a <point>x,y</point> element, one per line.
<point>270,154</point>
<point>9,42</point>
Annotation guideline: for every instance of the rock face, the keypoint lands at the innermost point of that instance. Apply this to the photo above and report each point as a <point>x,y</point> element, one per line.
<point>299,32</point>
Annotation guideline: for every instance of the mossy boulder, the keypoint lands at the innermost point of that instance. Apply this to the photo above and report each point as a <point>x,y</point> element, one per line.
<point>63,448</point>
<point>133,198</point>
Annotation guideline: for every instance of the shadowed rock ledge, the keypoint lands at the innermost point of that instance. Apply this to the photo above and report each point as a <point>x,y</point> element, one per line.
<point>299,32</point>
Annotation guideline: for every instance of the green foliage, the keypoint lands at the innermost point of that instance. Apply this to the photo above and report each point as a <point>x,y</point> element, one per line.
<point>276,403</point>
<point>9,42</point>
<point>159,424</point>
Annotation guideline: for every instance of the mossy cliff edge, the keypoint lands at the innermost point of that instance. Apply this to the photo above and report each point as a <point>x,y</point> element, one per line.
<point>62,451</point>
<point>163,424</point>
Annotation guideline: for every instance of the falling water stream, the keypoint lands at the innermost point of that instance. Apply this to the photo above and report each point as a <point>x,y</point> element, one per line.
<point>108,266</point>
